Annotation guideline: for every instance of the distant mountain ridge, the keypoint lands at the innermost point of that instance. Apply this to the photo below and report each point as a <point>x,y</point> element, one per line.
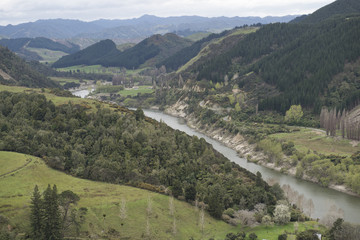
<point>127,30</point>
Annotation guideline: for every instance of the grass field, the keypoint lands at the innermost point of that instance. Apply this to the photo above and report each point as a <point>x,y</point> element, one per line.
<point>103,198</point>
<point>47,55</point>
<point>309,139</point>
<point>134,91</point>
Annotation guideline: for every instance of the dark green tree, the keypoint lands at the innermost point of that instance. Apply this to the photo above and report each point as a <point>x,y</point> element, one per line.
<point>52,221</point>
<point>190,193</point>
<point>139,114</point>
<point>177,189</point>
<point>36,214</point>
<point>216,201</point>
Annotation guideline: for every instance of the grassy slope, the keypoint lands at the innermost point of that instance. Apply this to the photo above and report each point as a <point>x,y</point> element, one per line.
<point>308,139</point>
<point>133,92</point>
<point>47,55</point>
<point>205,51</point>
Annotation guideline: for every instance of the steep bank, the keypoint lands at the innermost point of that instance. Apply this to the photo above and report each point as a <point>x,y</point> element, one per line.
<point>241,145</point>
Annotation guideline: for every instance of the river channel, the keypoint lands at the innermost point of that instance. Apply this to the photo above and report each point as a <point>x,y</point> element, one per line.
<point>323,198</point>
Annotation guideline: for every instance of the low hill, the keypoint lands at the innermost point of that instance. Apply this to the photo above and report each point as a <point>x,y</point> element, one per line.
<point>148,52</point>
<point>91,55</point>
<point>15,71</point>
<point>339,7</point>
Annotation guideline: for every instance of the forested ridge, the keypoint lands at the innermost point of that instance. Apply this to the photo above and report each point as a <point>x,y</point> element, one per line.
<point>123,148</point>
<point>299,59</point>
<point>106,54</point>
<point>20,73</point>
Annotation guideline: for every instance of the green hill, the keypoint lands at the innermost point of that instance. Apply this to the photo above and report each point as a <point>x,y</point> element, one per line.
<point>15,71</point>
<point>299,60</point>
<point>148,52</point>
<point>339,7</point>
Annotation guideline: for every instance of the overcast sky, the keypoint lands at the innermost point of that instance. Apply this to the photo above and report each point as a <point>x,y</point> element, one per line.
<point>18,11</point>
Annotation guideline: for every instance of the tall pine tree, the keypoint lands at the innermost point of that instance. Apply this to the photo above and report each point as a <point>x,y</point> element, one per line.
<point>36,214</point>
<point>52,220</point>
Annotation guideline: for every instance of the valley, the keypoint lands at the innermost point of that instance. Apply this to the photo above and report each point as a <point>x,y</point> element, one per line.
<point>182,127</point>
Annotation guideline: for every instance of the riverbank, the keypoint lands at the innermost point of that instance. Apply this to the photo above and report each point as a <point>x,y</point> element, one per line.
<point>241,145</point>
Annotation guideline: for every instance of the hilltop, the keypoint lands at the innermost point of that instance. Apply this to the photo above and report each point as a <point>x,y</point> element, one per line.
<point>339,7</point>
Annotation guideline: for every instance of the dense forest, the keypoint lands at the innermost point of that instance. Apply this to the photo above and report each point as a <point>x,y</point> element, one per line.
<point>129,149</point>
<point>299,59</point>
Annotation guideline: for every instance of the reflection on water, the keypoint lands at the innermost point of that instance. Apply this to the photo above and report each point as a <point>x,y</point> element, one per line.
<point>322,198</point>
<point>83,93</point>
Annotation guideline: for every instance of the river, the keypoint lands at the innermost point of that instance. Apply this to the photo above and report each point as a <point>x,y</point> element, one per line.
<point>323,198</point>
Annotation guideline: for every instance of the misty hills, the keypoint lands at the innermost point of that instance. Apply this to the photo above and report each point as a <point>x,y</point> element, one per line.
<point>127,30</point>
<point>148,52</point>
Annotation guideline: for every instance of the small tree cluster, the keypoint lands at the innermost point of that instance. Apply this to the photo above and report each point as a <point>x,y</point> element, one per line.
<point>51,214</point>
<point>45,217</point>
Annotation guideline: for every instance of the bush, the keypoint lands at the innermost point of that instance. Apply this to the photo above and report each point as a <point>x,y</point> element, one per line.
<point>253,236</point>
<point>282,236</point>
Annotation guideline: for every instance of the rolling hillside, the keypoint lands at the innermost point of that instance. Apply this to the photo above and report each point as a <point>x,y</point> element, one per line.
<point>20,173</point>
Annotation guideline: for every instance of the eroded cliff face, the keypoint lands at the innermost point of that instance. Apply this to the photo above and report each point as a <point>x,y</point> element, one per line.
<point>239,144</point>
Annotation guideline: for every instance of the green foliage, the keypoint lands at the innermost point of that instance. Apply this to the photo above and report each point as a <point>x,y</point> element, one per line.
<point>190,193</point>
<point>282,236</point>
<point>281,214</point>
<point>253,236</point>
<point>307,235</point>
<point>294,114</point>
<point>51,224</point>
<point>36,216</point>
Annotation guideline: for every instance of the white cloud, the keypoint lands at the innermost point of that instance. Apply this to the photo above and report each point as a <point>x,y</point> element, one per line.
<point>16,11</point>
